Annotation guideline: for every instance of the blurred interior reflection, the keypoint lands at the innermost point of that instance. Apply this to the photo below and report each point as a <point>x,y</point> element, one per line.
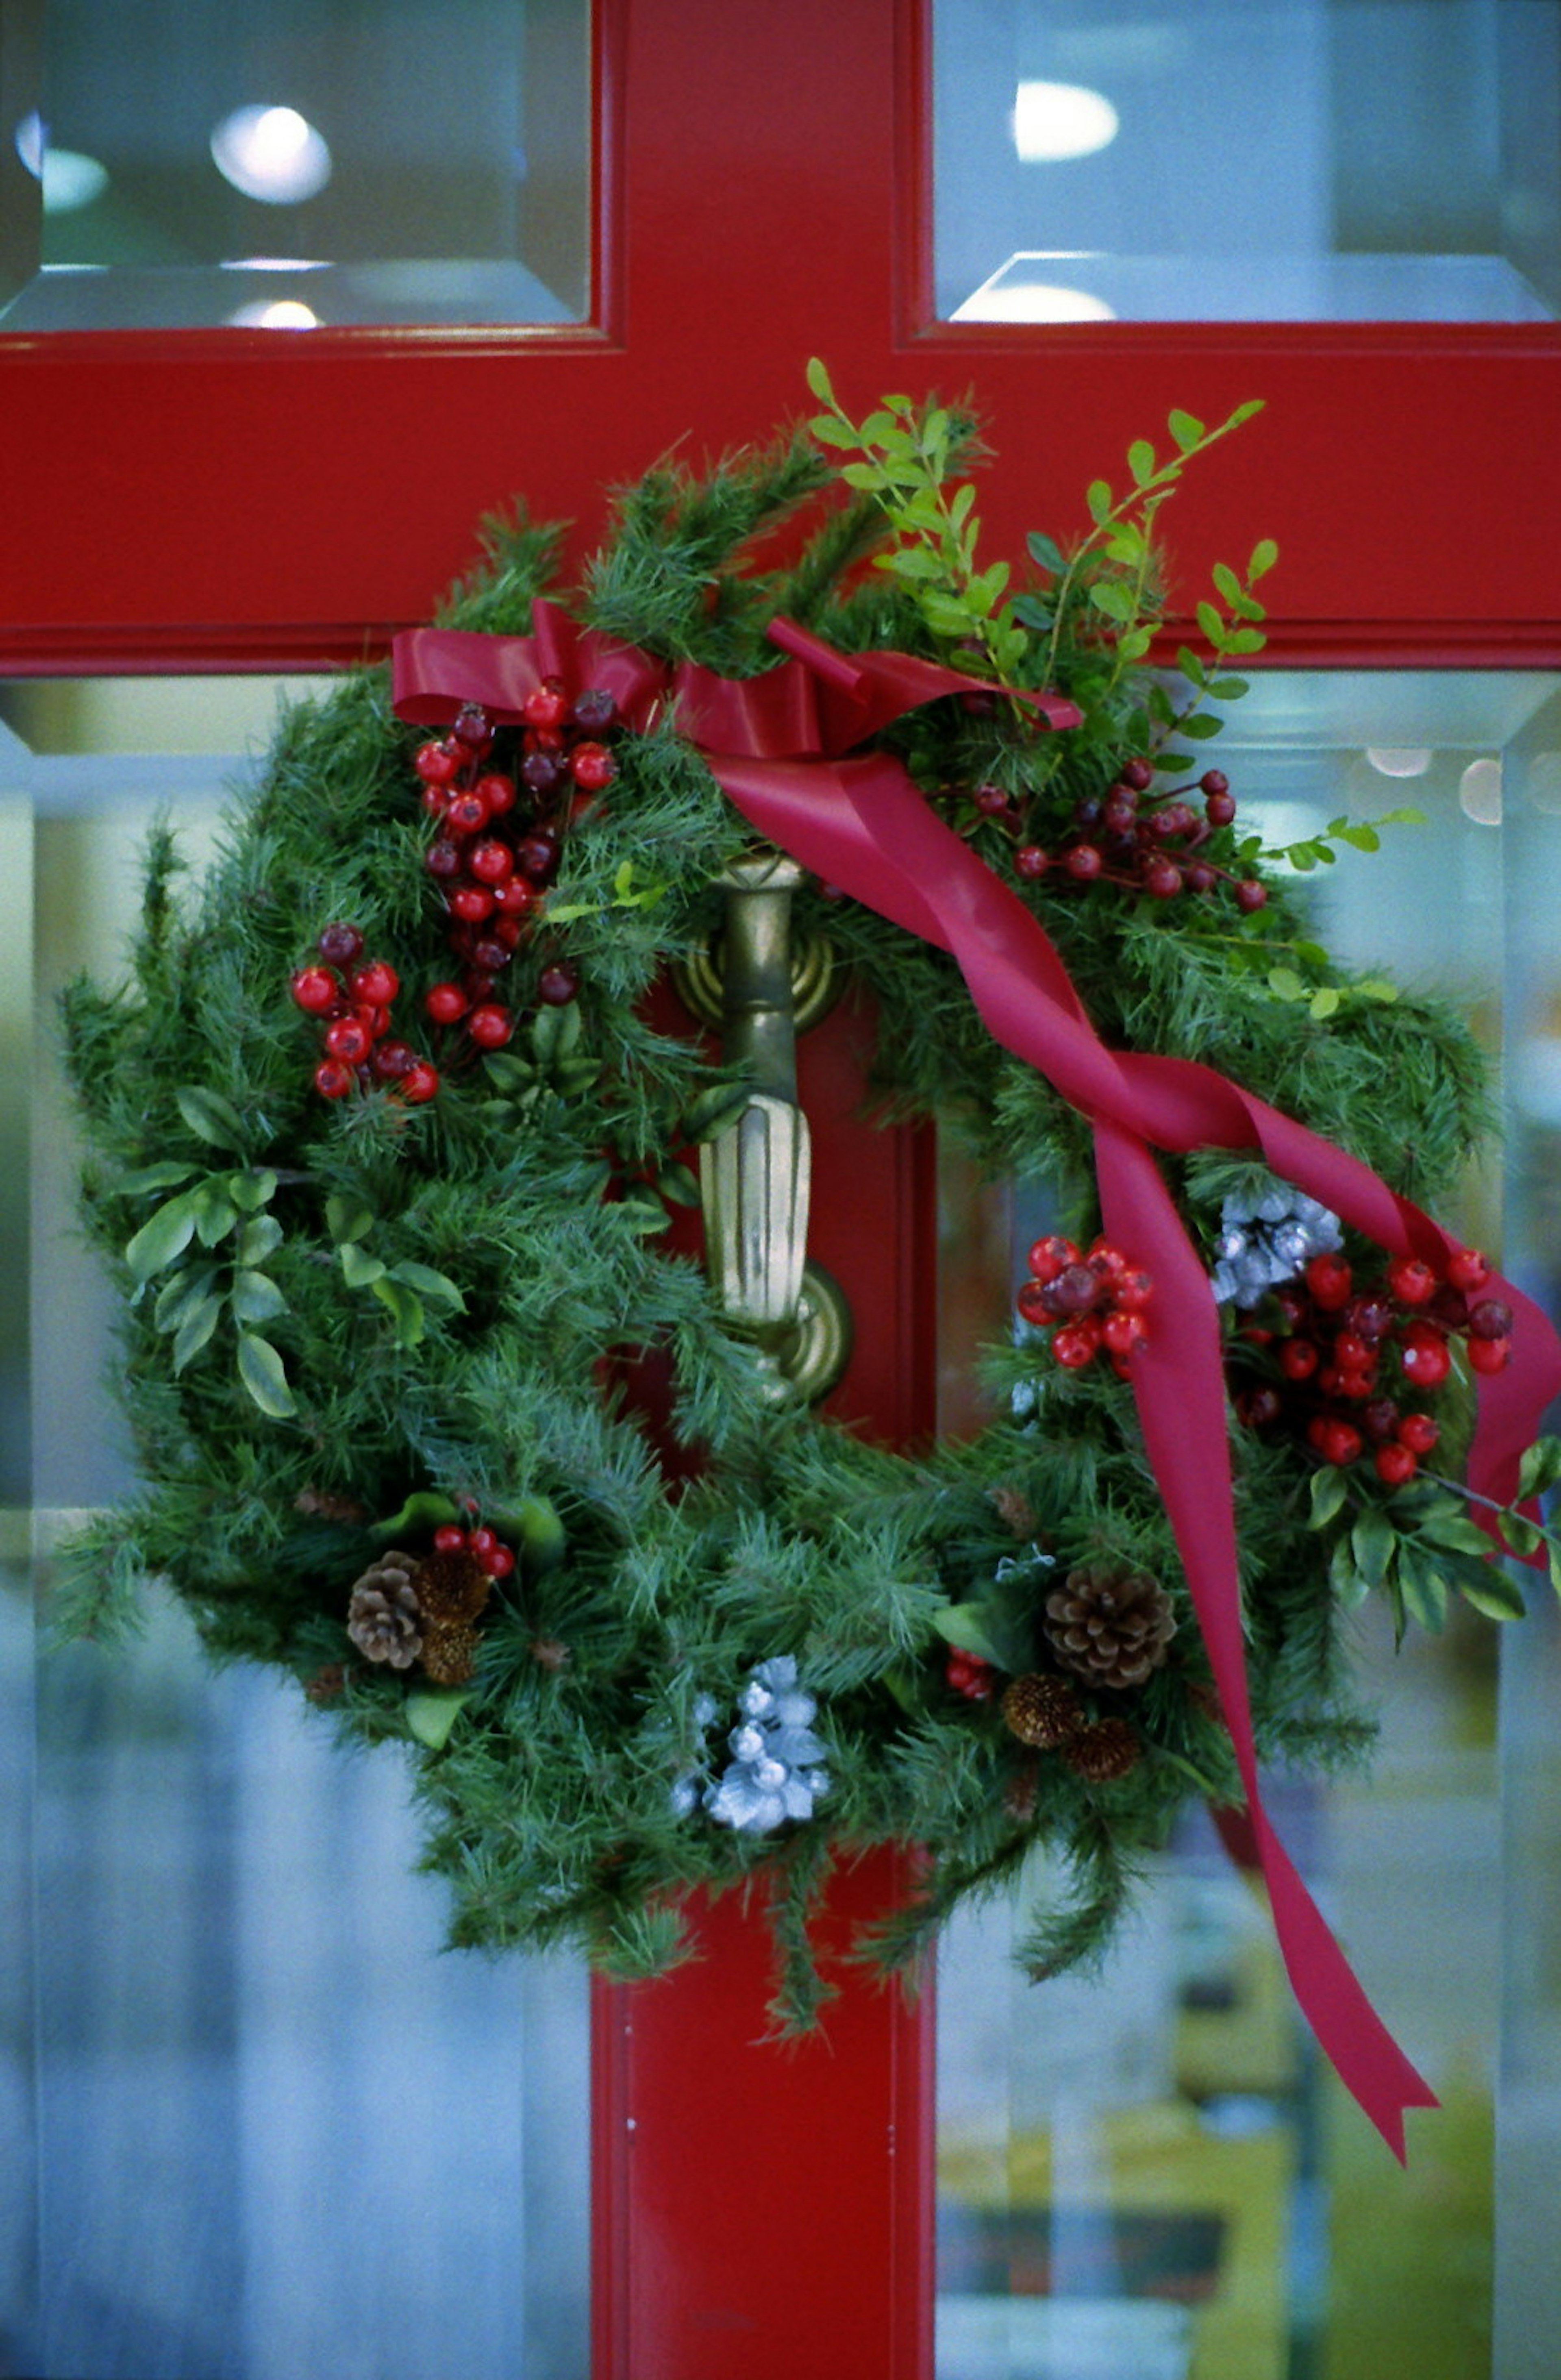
<point>1149,2170</point>
<point>264,2127</point>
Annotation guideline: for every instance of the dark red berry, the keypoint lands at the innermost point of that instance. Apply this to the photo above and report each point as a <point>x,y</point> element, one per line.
<point>1139,774</point>
<point>1380,1420</point>
<point>540,772</point>
<point>391,1060</point>
<point>990,800</point>
<point>1074,1289</point>
<point>1220,809</point>
<point>1030,1301</point>
<point>1492,1318</point>
<point>1030,861</point>
<point>449,1539</point>
<point>1370,1316</point>
<point>1260,1407</point>
<point>332,1080</point>
<point>1214,781</point>
<point>341,944</point>
<point>1298,1359</point>
<point>1251,895</point>
<point>481,1542</point>
<point>1162,879</point>
<point>1083,861</point>
<point>557,986</point>
<point>443,858</point>
<point>594,711</point>
<point>514,896</point>
<point>471,728</point>
<point>490,954</point>
<point>537,854</point>
<point>316,990</point>
<point>1199,877</point>
<point>499,1561</point>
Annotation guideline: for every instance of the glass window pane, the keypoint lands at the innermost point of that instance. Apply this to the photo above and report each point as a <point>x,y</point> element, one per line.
<point>295,162</point>
<point>1276,160</point>
<point>1151,2170</point>
<point>263,2126</point>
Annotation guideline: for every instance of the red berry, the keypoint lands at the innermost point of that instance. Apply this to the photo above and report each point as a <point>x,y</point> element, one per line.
<point>1031,1305</point>
<point>1424,1355</point>
<point>1214,781</point>
<point>499,1563</point>
<point>467,813</point>
<point>332,1080</point>
<point>1467,1269</point>
<point>446,1004</point>
<point>419,1083</point>
<point>349,1039</point>
<point>1492,1318</point>
<point>557,986</point>
<point>970,1676</point>
<point>1074,1291</point>
<point>1107,1262</point>
<point>1351,1351</point>
<point>1134,1292</point>
<point>437,764</point>
<point>1075,1344</point>
<point>1298,1359</point>
<point>1418,1432</point>
<point>1048,1257</point>
<point>491,1026</point>
<point>1381,1421</point>
<point>1370,1316</point>
<point>546,706</point>
<point>540,772</point>
<point>375,985</point>
<point>1162,879</point>
<point>449,1539</point>
<point>497,791</point>
<point>436,800</point>
<point>1328,1279</point>
<point>481,1542</point>
<point>1259,1407</point>
<point>1251,895</point>
<point>592,766</point>
<point>391,1060</point>
<point>1122,1332</point>
<point>1336,1442</point>
<point>471,728</point>
<point>490,861</point>
<point>1490,1355</point>
<point>443,858</point>
<point>471,904</point>
<point>1220,809</point>
<point>316,990</point>
<point>341,944</point>
<point>514,896</point>
<point>1030,861</point>
<point>1083,861</point>
<point>594,711</point>
<point>990,800</point>
<point>537,854</point>
<point>1199,877</point>
<point>1396,1464</point>
<point>1411,1281</point>
<point>491,954</point>
<point>1139,774</point>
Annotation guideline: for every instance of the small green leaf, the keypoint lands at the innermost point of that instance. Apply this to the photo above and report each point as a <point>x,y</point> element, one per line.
<point>1487,1586</point>
<point>1302,857</point>
<point>831,432</point>
<point>1323,1004</point>
<point>1330,1494</point>
<point>1201,726</point>
<point>1047,552</point>
<point>1285,984</point>
<point>1192,667</point>
<point>215,1213</point>
<point>1141,460</point>
<point>1521,1535</point>
<point>1424,1588</point>
<point>1243,413</point>
<point>1097,496</point>
<point>406,1309</point>
<point>1229,586</point>
<point>1447,1526</point>
<point>1540,1469</point>
<point>1244,641</point>
<point>1211,623</point>
<point>177,1295</point>
<point>676,1183</point>
<point>347,1217</point>
<point>428,1283</point>
<point>713,1112</point>
<point>1376,986</point>
<point>195,1330</point>
<point>1363,838</point>
<point>509,1074</point>
<point>1265,553</point>
<point>1227,689</point>
<point>432,1711</point>
<point>424,1508</point>
<point>1372,1541</point>
<point>866,476</point>
<point>210,1115</point>
<point>1185,428</point>
<point>250,1191</point>
<point>1108,595</point>
<point>819,381</point>
<point>1405,817</point>
<point>256,1298</point>
<point>1555,1566</point>
<point>258,1240</point>
<point>152,1177</point>
<point>262,1370</point>
<point>1349,1588</point>
<point>165,1235</point>
<point>359,1269</point>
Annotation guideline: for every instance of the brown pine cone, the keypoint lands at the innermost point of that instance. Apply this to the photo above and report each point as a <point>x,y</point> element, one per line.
<point>450,1652</point>
<point>452,1586</point>
<point>1103,1753</point>
<point>1043,1711</point>
<point>1109,1625</point>
<point>384,1614</point>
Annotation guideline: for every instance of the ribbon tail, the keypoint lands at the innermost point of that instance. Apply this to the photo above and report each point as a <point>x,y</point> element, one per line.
<point>1179,1386</point>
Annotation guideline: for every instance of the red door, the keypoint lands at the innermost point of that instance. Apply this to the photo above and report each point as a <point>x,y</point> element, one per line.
<point>195,500</point>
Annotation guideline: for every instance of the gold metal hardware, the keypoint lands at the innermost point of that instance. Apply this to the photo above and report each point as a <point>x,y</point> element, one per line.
<point>756,1176</point>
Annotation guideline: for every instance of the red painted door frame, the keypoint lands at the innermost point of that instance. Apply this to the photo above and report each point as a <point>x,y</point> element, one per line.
<point>247,500</point>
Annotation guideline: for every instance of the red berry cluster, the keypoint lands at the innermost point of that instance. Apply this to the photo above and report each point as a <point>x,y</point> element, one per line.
<point>1096,1298</point>
<point>970,1675</point>
<point>1330,1355</point>
<point>499,838</point>
<point>359,1048</point>
<point>1148,846</point>
<point>495,1556</point>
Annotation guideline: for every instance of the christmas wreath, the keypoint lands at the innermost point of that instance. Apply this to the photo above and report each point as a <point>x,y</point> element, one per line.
<point>383,1133</point>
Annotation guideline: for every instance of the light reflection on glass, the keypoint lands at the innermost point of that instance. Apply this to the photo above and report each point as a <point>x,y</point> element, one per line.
<point>272,154</point>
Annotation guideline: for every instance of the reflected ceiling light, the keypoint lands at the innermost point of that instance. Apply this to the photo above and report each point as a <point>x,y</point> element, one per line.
<point>30,139</point>
<point>1053,120</point>
<point>276,314</point>
<point>270,153</point>
<point>1480,792</point>
<point>271,265</point>
<point>1398,760</point>
<point>1034,301</point>
<point>71,180</point>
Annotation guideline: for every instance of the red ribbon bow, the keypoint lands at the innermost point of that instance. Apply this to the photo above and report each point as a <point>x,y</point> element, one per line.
<point>780,746</point>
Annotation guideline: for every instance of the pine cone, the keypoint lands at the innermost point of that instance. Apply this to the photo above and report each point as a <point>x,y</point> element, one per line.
<point>450,1652</point>
<point>452,1587</point>
<point>1013,1509</point>
<point>1103,1753</point>
<point>1109,1625</point>
<point>1043,1711</point>
<point>383,1616</point>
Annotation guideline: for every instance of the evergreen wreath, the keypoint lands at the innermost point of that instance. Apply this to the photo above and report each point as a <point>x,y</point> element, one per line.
<point>374,1291</point>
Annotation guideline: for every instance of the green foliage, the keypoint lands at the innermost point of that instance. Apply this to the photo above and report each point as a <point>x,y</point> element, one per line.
<point>346,1324</point>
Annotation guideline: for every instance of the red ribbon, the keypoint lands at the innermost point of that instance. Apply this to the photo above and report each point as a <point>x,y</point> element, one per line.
<point>778,744</point>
